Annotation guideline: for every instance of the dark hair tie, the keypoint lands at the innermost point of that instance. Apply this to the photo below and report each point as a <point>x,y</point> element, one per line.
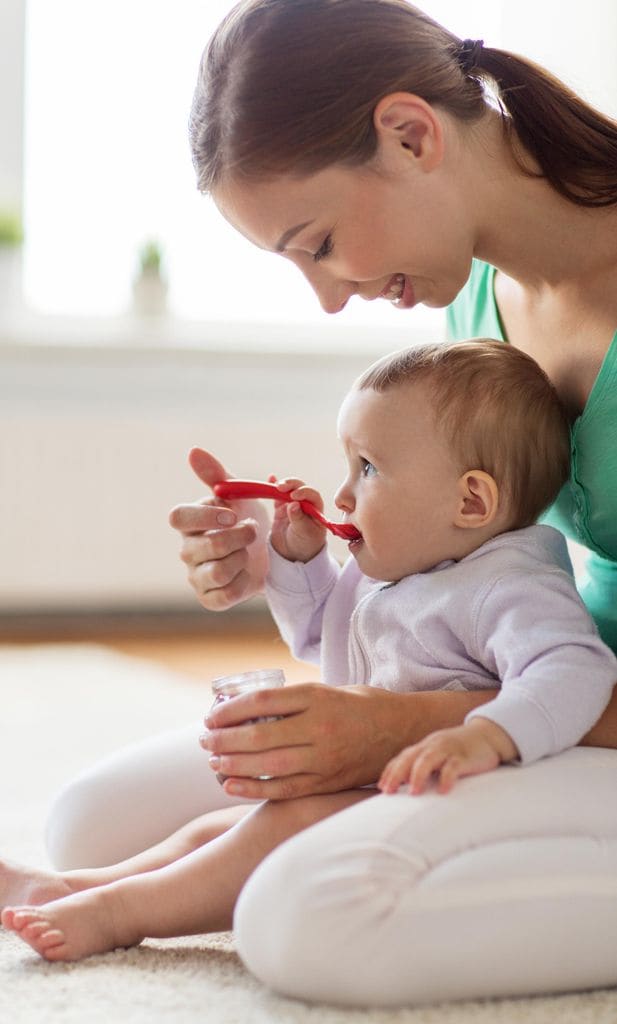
<point>468,55</point>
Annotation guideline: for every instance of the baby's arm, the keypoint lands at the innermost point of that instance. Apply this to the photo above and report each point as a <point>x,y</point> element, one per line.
<point>294,535</point>
<point>302,574</point>
<point>470,749</point>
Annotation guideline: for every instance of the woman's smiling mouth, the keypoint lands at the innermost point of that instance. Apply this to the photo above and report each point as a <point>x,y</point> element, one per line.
<point>399,292</point>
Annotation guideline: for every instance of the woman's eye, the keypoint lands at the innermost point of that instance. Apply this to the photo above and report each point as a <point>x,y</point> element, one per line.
<point>367,467</point>
<point>324,250</point>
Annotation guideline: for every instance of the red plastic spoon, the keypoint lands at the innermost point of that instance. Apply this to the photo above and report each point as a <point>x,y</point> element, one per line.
<point>256,489</point>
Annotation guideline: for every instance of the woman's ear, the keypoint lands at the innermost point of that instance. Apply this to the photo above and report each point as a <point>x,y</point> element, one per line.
<point>479,500</point>
<point>404,121</point>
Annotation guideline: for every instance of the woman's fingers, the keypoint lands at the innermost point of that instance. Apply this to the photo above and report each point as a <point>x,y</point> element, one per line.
<point>199,549</point>
<point>257,737</point>
<point>265,703</point>
<point>288,787</point>
<point>278,763</point>
<point>223,546</point>
<point>199,517</point>
<point>209,470</point>
<point>342,736</point>
<point>223,565</point>
<point>206,515</point>
<point>283,757</point>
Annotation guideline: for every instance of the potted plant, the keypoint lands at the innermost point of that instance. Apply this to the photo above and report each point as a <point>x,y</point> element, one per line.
<point>11,238</point>
<point>150,283</point>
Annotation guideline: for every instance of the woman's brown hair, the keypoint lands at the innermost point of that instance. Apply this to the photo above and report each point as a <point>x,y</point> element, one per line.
<point>497,411</point>
<point>290,86</point>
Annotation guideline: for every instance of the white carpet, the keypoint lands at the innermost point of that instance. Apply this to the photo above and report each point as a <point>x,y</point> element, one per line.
<point>59,712</point>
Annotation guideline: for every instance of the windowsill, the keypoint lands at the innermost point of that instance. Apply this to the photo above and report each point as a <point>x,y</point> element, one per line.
<point>28,330</point>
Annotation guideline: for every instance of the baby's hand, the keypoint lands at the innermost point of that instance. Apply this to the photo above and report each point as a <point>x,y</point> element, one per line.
<point>479,746</point>
<point>295,535</point>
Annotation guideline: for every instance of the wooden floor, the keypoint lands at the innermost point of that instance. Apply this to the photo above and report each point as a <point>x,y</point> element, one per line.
<point>199,653</point>
<point>206,657</point>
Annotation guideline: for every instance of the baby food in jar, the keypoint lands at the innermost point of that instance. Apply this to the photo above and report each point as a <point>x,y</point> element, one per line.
<point>226,687</point>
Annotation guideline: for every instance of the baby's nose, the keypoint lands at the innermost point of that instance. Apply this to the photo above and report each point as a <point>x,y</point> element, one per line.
<point>343,499</point>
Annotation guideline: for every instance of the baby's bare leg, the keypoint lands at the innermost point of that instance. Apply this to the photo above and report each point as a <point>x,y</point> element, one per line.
<point>192,895</point>
<point>23,884</point>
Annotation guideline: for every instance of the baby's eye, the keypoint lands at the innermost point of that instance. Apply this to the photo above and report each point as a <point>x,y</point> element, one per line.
<point>324,250</point>
<point>368,468</point>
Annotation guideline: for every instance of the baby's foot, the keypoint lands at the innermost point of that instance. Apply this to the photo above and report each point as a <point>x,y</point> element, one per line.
<point>22,884</point>
<point>71,928</point>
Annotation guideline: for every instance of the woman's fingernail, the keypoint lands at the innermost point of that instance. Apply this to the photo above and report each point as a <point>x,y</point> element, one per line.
<point>214,761</point>
<point>225,518</point>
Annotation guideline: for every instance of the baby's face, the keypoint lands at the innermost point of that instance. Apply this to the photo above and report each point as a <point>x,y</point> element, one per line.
<point>401,486</point>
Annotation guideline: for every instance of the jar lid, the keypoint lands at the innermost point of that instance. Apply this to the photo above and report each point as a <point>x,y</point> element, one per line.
<point>257,679</point>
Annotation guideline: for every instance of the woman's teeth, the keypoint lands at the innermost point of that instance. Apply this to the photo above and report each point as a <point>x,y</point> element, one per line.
<point>395,291</point>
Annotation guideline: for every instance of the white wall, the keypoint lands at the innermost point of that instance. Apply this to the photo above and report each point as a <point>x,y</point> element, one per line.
<point>12,22</point>
<point>93,445</point>
<point>577,42</point>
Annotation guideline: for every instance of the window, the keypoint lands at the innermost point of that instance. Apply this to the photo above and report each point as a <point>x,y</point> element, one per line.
<point>107,165</point>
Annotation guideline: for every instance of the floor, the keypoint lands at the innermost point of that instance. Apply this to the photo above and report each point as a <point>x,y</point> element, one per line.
<point>211,656</point>
<point>199,655</point>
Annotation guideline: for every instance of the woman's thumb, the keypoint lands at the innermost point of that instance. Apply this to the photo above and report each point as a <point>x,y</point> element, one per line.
<point>206,467</point>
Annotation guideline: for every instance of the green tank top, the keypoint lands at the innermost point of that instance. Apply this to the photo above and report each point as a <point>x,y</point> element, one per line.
<point>586,506</point>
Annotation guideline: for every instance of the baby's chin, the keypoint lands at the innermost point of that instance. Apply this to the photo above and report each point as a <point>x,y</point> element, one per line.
<point>381,569</point>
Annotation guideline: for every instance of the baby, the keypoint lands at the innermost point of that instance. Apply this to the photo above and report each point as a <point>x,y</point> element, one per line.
<point>453,451</point>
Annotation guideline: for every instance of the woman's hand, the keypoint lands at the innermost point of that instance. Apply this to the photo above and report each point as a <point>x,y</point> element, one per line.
<point>295,536</point>
<point>224,543</point>
<point>329,739</point>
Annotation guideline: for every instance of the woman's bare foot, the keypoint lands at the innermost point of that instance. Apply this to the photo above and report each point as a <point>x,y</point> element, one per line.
<point>75,927</point>
<point>21,884</point>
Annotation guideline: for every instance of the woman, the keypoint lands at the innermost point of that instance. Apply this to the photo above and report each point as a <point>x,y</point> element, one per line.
<point>358,139</point>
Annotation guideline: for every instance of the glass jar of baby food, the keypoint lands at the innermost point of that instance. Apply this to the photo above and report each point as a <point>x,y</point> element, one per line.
<point>226,687</point>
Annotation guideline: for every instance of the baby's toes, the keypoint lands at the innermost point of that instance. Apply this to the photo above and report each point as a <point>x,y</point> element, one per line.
<point>44,938</point>
<point>31,929</point>
<point>6,918</point>
<point>50,944</point>
<point>19,918</point>
<point>38,933</point>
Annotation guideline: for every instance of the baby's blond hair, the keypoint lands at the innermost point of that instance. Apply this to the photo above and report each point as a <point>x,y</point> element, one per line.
<point>497,409</point>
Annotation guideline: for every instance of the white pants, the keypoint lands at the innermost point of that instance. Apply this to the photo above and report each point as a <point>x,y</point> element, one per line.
<point>133,799</point>
<point>506,886</point>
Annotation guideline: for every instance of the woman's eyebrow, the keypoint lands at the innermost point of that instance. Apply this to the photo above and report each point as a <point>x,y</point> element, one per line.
<point>288,235</point>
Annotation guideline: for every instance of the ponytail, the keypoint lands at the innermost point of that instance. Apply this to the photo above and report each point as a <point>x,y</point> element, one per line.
<point>574,145</point>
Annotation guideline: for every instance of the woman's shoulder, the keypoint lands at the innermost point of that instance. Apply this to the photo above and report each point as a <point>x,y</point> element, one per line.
<point>473,314</point>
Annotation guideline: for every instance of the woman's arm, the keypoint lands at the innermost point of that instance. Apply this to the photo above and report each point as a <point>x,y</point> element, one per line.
<point>604,732</point>
<point>330,738</point>
<point>334,738</point>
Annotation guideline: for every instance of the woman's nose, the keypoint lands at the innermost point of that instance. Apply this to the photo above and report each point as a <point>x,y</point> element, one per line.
<point>332,303</point>
<point>333,294</point>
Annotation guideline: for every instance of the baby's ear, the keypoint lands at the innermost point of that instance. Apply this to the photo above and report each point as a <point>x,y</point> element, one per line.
<point>479,500</point>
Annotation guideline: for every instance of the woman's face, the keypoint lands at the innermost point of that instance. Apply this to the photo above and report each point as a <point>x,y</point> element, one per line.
<point>389,232</point>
